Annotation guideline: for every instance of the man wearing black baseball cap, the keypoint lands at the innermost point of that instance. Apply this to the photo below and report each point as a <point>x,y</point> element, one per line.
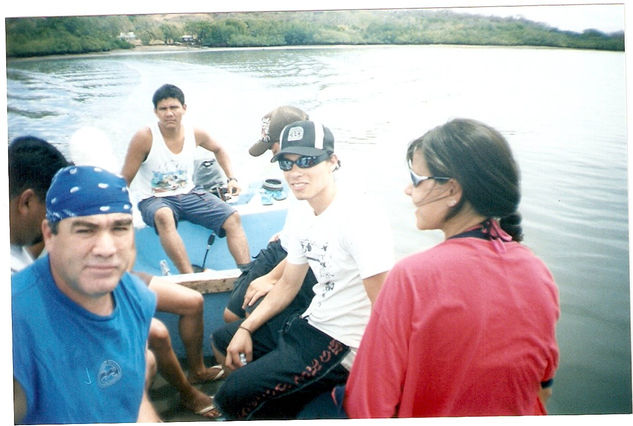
<point>346,242</point>
<point>305,138</point>
<point>267,267</point>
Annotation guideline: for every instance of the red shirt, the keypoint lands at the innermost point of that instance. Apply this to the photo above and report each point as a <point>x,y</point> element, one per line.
<point>466,328</point>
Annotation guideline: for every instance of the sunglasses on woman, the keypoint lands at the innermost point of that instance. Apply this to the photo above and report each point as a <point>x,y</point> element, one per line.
<point>417,179</point>
<point>303,162</point>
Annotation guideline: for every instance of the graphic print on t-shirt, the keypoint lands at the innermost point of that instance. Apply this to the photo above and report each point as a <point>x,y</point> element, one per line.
<point>109,373</point>
<point>170,178</point>
<point>319,253</point>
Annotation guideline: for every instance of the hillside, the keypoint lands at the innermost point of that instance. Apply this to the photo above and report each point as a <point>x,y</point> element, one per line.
<point>65,35</point>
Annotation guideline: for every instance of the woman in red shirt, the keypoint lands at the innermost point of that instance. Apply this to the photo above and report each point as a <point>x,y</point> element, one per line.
<point>466,328</point>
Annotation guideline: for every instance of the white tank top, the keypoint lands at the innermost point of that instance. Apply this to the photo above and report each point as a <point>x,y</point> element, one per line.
<point>164,173</point>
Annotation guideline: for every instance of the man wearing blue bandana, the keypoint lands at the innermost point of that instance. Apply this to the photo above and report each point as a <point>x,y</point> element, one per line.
<point>80,321</point>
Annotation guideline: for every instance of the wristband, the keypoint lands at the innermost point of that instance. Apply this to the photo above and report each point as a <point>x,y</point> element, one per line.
<point>230,179</point>
<point>244,328</point>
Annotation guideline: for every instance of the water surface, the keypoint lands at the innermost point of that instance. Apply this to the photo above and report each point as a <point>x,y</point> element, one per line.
<point>563,112</point>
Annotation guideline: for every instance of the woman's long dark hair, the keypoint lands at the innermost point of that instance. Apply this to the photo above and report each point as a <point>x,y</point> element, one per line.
<point>480,159</point>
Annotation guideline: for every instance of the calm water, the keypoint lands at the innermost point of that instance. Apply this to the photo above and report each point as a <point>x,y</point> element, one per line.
<point>563,112</point>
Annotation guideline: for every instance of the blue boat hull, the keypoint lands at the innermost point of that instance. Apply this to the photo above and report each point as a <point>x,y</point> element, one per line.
<point>260,224</point>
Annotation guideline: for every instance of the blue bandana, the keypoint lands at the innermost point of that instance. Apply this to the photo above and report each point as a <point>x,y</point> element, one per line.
<point>86,191</point>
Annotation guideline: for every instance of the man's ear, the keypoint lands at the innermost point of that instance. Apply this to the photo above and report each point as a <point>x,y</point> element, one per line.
<point>25,199</point>
<point>334,162</point>
<point>46,231</point>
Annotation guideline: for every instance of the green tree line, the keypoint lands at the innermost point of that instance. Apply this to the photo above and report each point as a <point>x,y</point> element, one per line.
<point>63,35</point>
<point>52,36</point>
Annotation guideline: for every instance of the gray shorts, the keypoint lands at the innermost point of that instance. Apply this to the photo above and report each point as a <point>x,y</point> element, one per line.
<point>198,206</point>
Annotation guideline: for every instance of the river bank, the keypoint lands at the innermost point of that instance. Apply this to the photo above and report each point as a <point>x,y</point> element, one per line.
<point>27,37</point>
<point>159,49</point>
<point>114,52</point>
<point>165,48</point>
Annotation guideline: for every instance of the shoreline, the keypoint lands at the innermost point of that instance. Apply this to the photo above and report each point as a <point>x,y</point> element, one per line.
<point>163,48</point>
<point>115,52</point>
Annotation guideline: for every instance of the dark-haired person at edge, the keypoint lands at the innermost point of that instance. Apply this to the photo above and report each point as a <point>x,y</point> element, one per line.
<point>32,164</point>
<point>80,321</point>
<point>267,266</point>
<point>161,159</point>
<point>466,328</point>
<point>279,361</point>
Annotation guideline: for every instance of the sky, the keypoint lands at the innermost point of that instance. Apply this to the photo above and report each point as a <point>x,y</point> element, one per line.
<point>574,15</point>
<point>605,18</point>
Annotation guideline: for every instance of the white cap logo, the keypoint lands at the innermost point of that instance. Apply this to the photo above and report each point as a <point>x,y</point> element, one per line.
<point>295,134</point>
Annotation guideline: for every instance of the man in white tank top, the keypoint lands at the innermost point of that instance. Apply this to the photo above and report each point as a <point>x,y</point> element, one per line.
<point>161,158</point>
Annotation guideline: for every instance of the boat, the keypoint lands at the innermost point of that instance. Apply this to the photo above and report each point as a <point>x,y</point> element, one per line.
<point>209,254</point>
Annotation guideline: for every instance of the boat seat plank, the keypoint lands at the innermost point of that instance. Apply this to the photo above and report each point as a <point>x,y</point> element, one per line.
<point>208,281</point>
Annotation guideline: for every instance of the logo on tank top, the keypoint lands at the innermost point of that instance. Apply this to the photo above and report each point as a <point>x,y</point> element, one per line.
<point>109,373</point>
<point>169,180</point>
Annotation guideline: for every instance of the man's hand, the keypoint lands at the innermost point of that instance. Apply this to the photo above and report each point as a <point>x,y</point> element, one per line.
<point>258,288</point>
<point>233,188</point>
<point>242,343</point>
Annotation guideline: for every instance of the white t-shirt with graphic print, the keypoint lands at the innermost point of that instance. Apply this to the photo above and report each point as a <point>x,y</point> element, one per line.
<point>350,241</point>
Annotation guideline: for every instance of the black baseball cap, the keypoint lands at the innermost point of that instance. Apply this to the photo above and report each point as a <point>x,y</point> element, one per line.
<point>305,138</point>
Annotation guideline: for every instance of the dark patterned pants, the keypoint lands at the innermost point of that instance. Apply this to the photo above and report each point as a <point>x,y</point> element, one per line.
<point>303,363</point>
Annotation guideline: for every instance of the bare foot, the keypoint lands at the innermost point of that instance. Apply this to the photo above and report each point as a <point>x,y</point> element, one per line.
<point>207,375</point>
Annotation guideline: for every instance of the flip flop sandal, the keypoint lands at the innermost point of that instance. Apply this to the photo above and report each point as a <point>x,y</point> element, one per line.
<point>210,412</point>
<point>218,376</point>
<point>220,373</point>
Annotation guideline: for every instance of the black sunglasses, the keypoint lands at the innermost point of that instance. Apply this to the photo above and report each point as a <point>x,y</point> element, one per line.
<point>417,179</point>
<point>303,162</point>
